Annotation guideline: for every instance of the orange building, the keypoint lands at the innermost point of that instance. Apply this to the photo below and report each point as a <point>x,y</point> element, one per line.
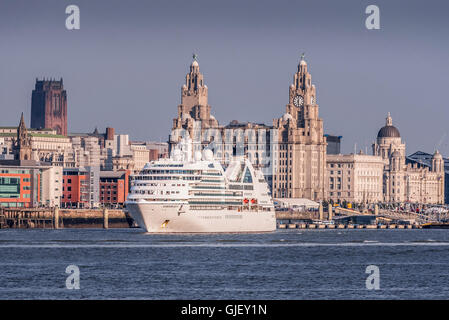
<point>16,189</point>
<point>114,187</point>
<point>27,184</point>
<point>75,188</point>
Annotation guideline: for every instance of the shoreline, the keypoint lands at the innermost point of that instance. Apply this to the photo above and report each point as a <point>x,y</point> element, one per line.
<point>56,218</point>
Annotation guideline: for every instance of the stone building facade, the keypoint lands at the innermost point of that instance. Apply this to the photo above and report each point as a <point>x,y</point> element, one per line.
<point>235,139</point>
<point>46,146</point>
<point>291,153</point>
<point>407,182</point>
<point>106,151</point>
<point>354,178</point>
<point>300,154</point>
<point>385,176</point>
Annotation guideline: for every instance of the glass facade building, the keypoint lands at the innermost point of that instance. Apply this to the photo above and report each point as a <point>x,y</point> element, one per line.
<point>19,188</point>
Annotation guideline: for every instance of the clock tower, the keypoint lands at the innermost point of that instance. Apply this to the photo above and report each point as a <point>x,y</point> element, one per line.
<point>300,159</point>
<point>302,95</point>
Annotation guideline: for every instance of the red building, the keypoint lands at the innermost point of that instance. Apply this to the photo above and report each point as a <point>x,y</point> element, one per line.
<point>75,188</point>
<point>114,187</point>
<point>49,106</point>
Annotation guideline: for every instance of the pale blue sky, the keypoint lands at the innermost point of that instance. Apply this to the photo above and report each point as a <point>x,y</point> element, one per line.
<point>126,65</point>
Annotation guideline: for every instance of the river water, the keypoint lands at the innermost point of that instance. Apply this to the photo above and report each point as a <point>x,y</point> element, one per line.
<point>286,264</point>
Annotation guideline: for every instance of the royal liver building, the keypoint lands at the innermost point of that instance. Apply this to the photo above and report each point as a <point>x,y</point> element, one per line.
<point>291,153</point>
<point>300,158</point>
<point>195,120</point>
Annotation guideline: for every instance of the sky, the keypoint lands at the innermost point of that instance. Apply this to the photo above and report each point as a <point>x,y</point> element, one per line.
<point>125,67</point>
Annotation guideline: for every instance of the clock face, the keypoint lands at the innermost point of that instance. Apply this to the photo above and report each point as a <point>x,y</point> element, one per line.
<point>298,101</point>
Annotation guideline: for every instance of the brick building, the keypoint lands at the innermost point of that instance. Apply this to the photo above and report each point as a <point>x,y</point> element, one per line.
<point>80,187</point>
<point>114,187</point>
<point>49,106</point>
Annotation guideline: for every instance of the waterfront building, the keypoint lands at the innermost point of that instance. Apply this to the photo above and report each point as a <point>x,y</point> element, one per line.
<point>81,187</point>
<point>235,139</point>
<point>194,103</point>
<point>424,159</point>
<point>291,153</point>
<point>28,184</point>
<point>114,187</point>
<point>300,154</point>
<point>355,178</point>
<point>407,182</point>
<point>25,182</point>
<point>49,106</point>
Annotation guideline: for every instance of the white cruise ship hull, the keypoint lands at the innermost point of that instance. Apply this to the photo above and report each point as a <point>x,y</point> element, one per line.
<point>168,218</point>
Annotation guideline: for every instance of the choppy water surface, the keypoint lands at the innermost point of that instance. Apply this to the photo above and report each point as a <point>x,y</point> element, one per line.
<point>287,264</point>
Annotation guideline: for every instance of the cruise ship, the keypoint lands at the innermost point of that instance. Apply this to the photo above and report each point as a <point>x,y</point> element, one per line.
<point>193,194</point>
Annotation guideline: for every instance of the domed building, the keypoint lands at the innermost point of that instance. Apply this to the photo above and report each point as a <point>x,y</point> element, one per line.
<point>407,182</point>
<point>388,141</point>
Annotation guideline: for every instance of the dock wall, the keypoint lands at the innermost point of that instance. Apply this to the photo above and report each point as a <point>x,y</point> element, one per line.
<point>56,218</point>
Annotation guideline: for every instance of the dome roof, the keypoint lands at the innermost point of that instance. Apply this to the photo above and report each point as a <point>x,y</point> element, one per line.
<point>388,132</point>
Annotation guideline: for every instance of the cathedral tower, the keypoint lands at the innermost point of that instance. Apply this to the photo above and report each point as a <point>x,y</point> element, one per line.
<point>49,106</point>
